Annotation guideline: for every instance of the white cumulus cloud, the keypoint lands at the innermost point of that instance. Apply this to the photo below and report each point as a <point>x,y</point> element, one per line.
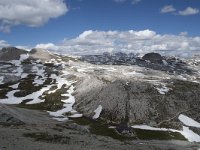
<point>189,11</point>
<point>3,43</point>
<point>168,9</point>
<point>49,46</point>
<point>97,42</point>
<point>31,13</point>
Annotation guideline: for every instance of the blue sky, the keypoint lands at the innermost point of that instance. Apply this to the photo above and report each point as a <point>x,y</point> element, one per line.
<point>161,16</point>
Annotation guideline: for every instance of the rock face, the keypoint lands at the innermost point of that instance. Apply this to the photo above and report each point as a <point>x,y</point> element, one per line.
<point>153,57</point>
<point>11,53</point>
<point>40,54</point>
<point>7,116</point>
<point>138,102</point>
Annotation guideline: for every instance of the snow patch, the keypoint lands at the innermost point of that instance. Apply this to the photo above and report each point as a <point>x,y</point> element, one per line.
<point>17,63</point>
<point>1,79</point>
<point>24,57</point>
<point>97,112</point>
<point>162,89</point>
<point>14,86</point>
<point>165,62</point>
<point>76,116</point>
<point>190,135</point>
<point>188,121</point>
<point>186,132</point>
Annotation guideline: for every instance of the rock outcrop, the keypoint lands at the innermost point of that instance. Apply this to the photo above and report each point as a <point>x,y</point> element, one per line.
<point>153,57</point>
<point>40,54</point>
<point>7,116</point>
<point>138,102</point>
<point>11,53</point>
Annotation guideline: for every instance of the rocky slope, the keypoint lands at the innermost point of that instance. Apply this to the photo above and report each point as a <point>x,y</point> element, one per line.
<point>138,97</point>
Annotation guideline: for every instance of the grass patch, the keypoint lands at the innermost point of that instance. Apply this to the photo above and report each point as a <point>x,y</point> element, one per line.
<point>27,87</point>
<point>4,89</point>
<point>52,102</point>
<point>158,135</point>
<point>100,128</point>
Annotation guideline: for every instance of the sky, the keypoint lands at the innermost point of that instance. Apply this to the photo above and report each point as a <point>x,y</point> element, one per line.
<point>95,26</point>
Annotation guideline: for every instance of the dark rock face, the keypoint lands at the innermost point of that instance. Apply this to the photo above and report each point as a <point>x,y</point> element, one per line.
<point>153,57</point>
<point>11,53</point>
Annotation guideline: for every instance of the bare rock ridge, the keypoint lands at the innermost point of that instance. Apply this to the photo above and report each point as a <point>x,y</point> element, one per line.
<point>144,104</point>
<point>11,53</point>
<point>40,54</point>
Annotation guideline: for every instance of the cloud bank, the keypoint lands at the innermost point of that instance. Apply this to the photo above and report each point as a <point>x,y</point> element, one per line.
<point>189,11</point>
<point>97,42</point>
<point>32,13</point>
<point>186,12</point>
<point>168,9</point>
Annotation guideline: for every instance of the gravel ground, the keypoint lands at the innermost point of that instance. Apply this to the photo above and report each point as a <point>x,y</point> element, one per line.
<point>51,135</point>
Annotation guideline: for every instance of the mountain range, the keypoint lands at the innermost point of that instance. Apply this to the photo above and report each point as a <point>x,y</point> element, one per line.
<point>118,98</point>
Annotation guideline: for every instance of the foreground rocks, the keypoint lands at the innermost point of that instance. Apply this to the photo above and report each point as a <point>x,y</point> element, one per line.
<point>49,135</point>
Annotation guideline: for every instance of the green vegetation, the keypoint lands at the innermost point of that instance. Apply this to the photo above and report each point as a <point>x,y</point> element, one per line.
<point>158,135</point>
<point>4,89</point>
<point>52,101</point>
<point>27,87</point>
<point>99,127</point>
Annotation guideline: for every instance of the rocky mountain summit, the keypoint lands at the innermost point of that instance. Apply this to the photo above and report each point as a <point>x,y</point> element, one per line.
<point>11,53</point>
<point>144,98</point>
